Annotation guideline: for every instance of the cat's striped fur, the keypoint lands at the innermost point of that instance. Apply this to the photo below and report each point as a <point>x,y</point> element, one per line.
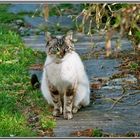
<point>59,46</point>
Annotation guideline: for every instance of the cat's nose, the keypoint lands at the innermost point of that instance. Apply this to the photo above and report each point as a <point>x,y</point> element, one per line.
<point>58,53</point>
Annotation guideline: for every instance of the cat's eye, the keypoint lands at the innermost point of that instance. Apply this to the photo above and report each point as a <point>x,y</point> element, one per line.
<point>56,49</point>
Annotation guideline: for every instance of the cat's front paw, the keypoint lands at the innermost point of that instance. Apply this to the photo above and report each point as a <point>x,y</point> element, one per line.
<point>57,112</point>
<point>68,116</point>
<point>75,110</point>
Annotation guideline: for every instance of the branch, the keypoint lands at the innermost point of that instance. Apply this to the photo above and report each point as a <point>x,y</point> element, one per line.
<point>123,96</point>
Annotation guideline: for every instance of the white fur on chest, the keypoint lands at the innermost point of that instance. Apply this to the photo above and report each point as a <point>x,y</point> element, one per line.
<point>64,73</point>
<point>67,73</point>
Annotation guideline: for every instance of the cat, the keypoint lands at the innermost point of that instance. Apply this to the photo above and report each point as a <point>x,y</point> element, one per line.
<point>64,83</point>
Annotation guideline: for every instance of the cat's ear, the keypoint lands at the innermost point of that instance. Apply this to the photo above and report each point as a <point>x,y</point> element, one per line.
<point>69,35</point>
<point>48,36</point>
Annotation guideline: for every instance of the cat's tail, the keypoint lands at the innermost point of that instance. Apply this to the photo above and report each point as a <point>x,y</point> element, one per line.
<point>35,82</point>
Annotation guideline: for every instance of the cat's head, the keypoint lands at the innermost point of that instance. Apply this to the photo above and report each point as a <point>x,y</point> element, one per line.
<point>59,46</point>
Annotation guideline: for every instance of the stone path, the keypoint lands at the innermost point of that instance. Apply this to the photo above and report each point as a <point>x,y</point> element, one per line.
<point>20,8</point>
<point>124,117</point>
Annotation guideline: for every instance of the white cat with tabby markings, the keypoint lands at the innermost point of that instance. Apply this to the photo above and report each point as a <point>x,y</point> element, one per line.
<point>64,83</point>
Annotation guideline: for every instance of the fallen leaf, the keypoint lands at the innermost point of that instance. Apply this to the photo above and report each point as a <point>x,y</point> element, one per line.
<point>48,133</point>
<point>96,85</point>
<point>36,67</point>
<point>87,133</point>
<point>22,92</point>
<point>11,61</point>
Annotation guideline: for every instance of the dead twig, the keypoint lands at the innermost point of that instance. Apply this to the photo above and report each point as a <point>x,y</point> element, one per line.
<point>123,96</point>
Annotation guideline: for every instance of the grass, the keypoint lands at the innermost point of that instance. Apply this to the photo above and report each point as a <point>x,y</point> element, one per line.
<point>47,123</point>
<point>9,36</point>
<point>133,66</point>
<point>97,133</point>
<point>5,16</point>
<point>14,125</point>
<point>18,101</point>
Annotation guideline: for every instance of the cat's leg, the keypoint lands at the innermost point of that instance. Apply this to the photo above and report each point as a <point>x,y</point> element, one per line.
<point>56,100</point>
<point>68,102</point>
<point>82,97</point>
